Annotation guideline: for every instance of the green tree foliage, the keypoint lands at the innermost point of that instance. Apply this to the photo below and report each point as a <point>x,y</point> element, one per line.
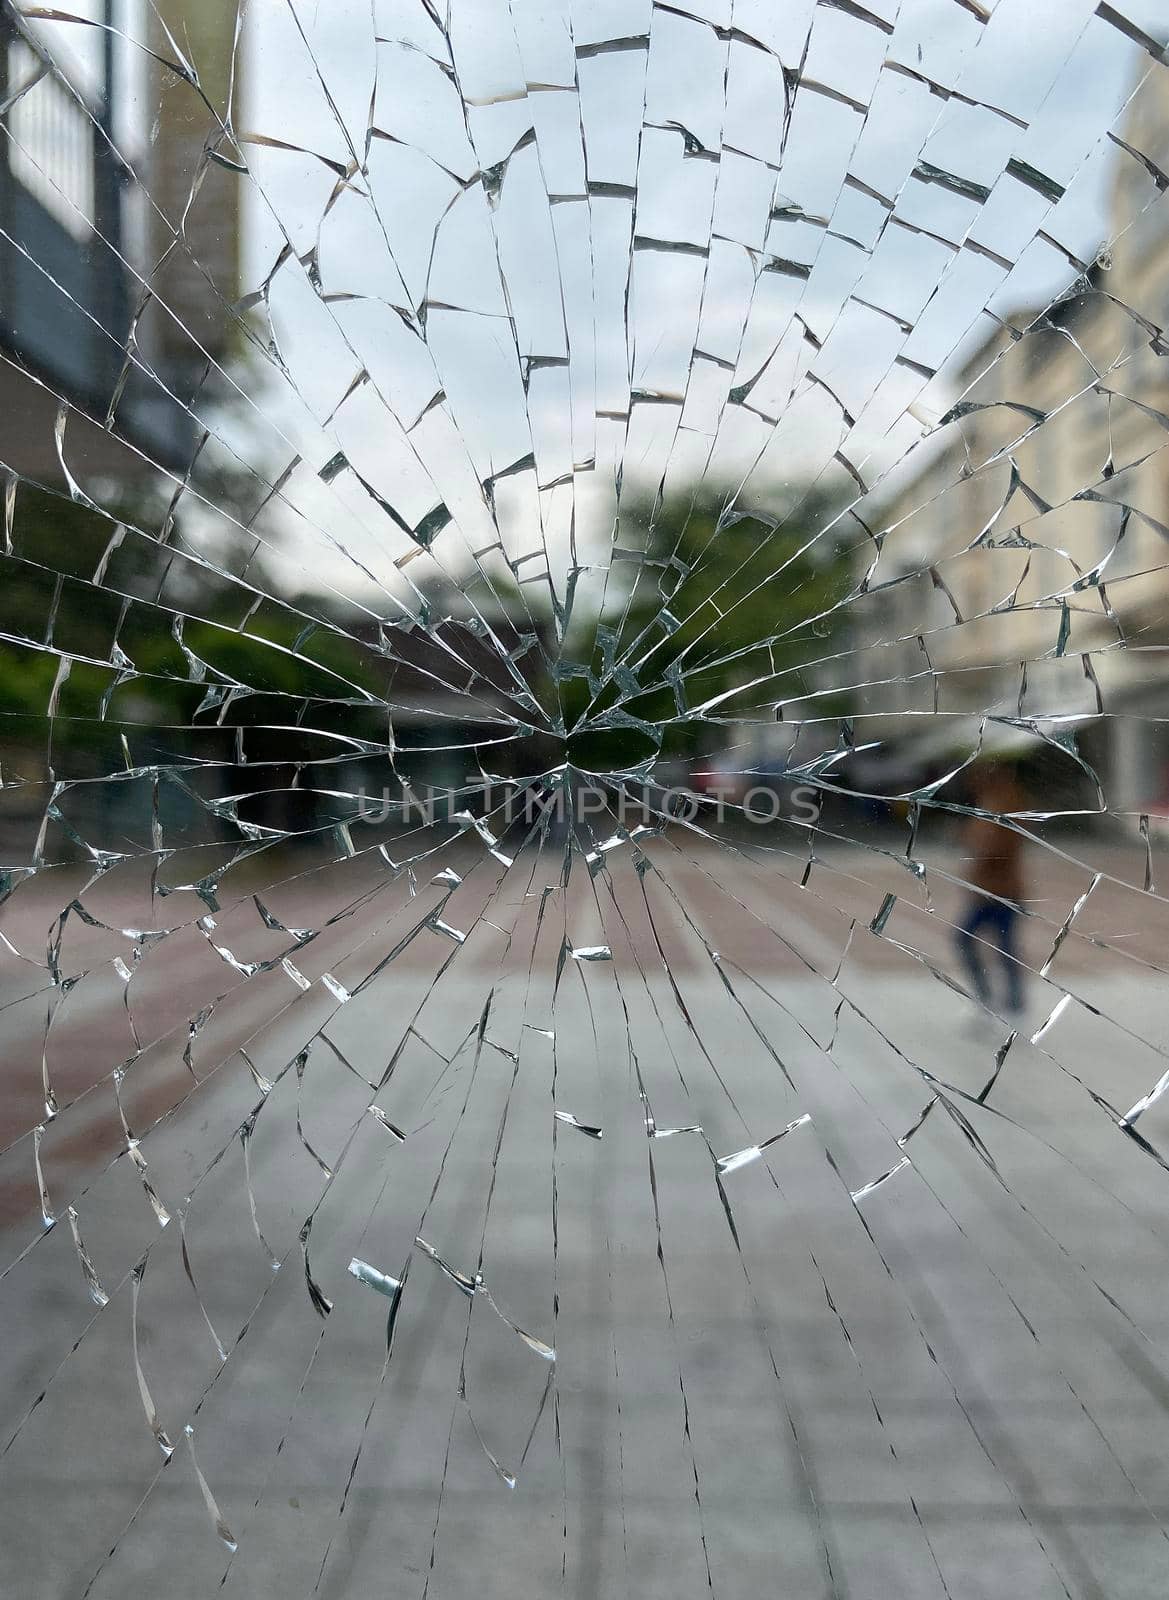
<point>724,616</point>
<point>707,617</point>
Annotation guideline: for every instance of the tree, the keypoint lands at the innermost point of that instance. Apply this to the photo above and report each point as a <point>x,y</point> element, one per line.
<point>728,615</point>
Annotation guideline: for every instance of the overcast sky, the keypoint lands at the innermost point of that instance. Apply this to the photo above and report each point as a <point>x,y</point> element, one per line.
<point>757,274</point>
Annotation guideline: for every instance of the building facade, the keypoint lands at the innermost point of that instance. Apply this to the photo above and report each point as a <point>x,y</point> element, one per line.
<point>1021,590</point>
<point>113,275</point>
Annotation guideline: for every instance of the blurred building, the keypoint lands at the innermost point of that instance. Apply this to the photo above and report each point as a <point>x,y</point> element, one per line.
<point>1024,571</point>
<point>196,193</point>
<point>119,233</point>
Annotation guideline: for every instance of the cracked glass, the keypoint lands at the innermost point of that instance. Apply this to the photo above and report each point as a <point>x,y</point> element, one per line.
<point>584,780</point>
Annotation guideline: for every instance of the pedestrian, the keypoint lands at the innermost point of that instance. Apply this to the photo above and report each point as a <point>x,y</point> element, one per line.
<point>993,859</point>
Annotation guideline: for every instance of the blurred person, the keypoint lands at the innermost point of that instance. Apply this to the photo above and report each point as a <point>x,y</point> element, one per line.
<point>994,871</point>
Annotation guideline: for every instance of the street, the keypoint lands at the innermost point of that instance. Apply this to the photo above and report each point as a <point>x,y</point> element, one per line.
<point>914,1345</point>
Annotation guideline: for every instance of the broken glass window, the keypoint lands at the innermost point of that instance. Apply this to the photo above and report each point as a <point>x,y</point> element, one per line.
<point>584,776</point>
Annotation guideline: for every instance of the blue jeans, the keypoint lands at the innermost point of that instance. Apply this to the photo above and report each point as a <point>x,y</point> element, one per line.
<point>997,919</point>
